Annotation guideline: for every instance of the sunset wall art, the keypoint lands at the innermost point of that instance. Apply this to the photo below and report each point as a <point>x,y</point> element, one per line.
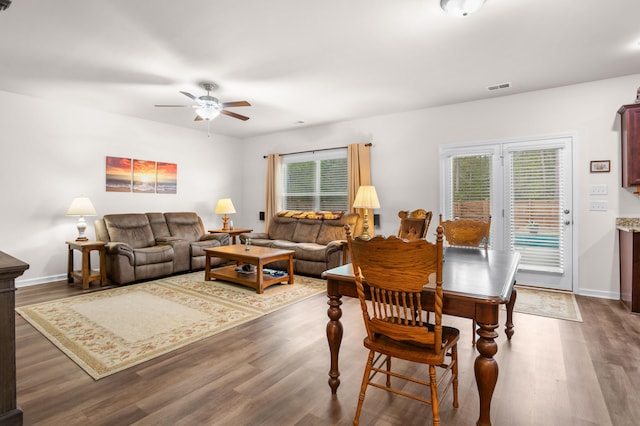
<point>141,176</point>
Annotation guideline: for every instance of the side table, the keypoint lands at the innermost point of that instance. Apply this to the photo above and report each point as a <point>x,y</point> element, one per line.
<point>233,233</point>
<point>85,274</point>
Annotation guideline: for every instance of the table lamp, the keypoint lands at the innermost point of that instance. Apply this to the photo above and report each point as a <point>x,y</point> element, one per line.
<point>81,207</point>
<point>366,198</point>
<point>225,207</point>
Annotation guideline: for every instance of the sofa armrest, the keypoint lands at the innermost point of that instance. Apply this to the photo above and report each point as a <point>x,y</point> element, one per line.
<point>123,249</point>
<point>337,245</point>
<point>252,235</point>
<point>223,238</point>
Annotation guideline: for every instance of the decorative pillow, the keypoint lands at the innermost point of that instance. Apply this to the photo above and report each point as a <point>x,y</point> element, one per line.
<point>288,213</point>
<point>311,214</point>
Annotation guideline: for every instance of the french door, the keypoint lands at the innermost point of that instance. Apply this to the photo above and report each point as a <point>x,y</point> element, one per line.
<point>525,187</point>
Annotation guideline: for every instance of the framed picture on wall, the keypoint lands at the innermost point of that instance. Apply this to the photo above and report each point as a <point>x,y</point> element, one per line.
<point>119,174</point>
<point>601,166</point>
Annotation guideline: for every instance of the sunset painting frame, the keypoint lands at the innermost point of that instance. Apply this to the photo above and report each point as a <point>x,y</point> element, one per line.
<point>166,178</point>
<point>141,176</point>
<point>144,176</point>
<point>118,174</point>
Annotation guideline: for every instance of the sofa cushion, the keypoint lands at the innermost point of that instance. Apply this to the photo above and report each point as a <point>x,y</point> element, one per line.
<point>311,251</point>
<point>158,225</point>
<point>306,231</point>
<point>333,229</point>
<point>282,228</point>
<point>186,225</point>
<point>133,229</point>
<point>197,247</point>
<point>284,244</point>
<point>155,254</point>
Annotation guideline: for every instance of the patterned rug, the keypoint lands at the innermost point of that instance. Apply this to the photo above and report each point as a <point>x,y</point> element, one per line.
<point>108,331</point>
<point>547,303</point>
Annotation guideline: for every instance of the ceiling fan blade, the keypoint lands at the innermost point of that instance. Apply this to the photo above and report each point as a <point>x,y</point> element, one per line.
<point>234,115</point>
<point>235,104</point>
<point>198,118</point>
<point>189,95</point>
<point>171,105</point>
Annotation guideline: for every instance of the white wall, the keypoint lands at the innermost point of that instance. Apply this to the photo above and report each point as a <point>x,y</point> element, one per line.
<point>405,159</point>
<point>52,152</point>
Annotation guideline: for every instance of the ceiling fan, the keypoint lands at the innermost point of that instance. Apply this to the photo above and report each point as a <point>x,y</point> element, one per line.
<point>208,107</point>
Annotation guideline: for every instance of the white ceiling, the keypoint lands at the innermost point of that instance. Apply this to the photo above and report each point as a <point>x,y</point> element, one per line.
<point>299,60</point>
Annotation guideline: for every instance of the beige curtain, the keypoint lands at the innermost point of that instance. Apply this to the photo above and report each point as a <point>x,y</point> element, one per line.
<point>273,202</point>
<point>359,169</point>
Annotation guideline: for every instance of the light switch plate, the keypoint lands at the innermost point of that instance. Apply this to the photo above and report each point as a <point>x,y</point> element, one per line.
<point>602,189</point>
<point>598,205</point>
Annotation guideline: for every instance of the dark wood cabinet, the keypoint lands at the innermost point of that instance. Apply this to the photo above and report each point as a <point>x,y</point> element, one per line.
<point>10,269</point>
<point>630,269</point>
<point>630,122</point>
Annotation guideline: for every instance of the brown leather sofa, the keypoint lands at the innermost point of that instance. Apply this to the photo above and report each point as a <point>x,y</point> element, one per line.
<point>316,237</point>
<point>151,245</point>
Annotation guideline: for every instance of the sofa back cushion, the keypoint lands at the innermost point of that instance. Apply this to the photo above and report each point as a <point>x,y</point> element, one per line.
<point>282,228</point>
<point>185,225</point>
<point>131,228</point>
<point>158,225</point>
<point>306,231</point>
<point>333,229</point>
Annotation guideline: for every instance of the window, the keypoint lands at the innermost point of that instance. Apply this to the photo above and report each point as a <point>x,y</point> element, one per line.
<point>471,187</point>
<point>316,181</point>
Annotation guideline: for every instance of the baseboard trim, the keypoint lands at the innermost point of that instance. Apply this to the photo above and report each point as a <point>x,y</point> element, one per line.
<point>40,280</point>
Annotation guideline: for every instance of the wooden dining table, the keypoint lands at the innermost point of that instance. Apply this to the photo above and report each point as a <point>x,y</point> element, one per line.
<point>475,283</point>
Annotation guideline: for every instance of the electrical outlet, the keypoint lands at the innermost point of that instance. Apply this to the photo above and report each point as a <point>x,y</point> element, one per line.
<point>599,189</point>
<point>598,205</point>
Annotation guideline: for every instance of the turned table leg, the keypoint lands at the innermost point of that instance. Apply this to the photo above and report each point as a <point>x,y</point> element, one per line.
<point>486,367</point>
<point>334,333</point>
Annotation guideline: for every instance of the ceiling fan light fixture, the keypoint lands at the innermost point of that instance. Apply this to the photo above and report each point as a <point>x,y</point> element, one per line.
<point>461,7</point>
<point>207,113</point>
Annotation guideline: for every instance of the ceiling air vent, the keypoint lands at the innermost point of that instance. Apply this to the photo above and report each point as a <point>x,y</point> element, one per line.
<point>499,86</point>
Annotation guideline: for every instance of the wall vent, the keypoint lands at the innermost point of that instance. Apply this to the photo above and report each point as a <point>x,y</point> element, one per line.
<point>499,86</point>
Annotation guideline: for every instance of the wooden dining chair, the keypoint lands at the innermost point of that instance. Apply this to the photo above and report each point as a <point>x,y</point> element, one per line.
<point>414,224</point>
<point>392,273</point>
<point>467,233</point>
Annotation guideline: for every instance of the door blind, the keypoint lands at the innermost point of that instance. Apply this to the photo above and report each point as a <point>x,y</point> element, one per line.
<point>535,204</point>
<point>471,187</point>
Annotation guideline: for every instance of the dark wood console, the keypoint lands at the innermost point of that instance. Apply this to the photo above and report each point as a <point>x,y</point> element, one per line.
<point>10,269</point>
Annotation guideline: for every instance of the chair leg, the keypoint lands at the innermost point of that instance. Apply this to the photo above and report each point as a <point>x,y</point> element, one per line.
<point>363,388</point>
<point>475,331</point>
<point>435,408</point>
<point>454,371</point>
<point>388,369</point>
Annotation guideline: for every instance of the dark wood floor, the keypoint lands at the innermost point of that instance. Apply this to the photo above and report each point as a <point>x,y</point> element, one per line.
<point>273,371</point>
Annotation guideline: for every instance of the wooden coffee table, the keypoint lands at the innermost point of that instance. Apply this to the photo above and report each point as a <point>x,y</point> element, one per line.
<point>256,255</point>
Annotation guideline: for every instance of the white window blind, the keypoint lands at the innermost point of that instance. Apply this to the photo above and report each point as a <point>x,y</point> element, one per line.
<point>536,202</point>
<point>470,187</point>
<point>316,181</point>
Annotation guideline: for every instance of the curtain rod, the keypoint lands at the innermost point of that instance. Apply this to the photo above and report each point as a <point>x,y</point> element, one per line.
<point>316,150</point>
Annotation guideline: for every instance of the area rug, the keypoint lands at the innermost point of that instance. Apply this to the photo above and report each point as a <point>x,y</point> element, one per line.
<point>108,331</point>
<point>547,303</point>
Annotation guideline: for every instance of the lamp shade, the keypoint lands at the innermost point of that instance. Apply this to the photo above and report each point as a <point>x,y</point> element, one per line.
<point>461,7</point>
<point>225,206</point>
<point>81,206</point>
<point>366,198</point>
<point>207,113</point>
